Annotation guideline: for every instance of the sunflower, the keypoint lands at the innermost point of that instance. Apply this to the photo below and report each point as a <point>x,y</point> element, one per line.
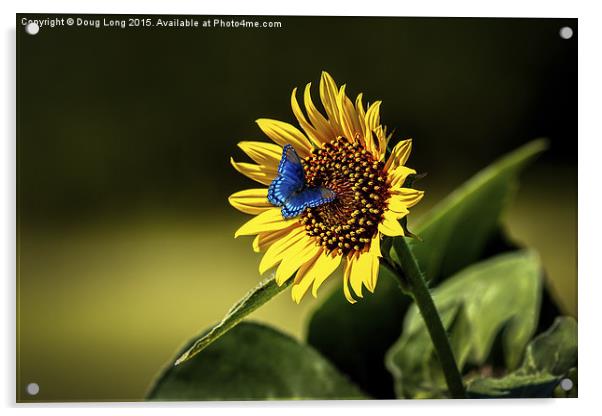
<point>343,151</point>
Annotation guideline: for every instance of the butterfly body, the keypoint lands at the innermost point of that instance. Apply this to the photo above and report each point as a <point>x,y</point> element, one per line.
<point>289,189</point>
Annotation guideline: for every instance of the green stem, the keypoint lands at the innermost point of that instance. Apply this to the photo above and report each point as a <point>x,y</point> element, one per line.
<point>415,282</point>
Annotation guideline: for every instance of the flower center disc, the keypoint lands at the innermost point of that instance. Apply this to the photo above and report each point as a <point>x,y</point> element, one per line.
<point>350,221</point>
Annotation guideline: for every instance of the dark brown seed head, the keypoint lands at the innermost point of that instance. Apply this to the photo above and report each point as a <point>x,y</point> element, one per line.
<point>350,221</point>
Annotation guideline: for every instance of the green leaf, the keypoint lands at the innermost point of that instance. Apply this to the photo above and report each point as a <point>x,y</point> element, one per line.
<point>499,294</point>
<point>254,362</point>
<point>265,291</point>
<point>454,236</point>
<point>455,233</point>
<point>554,351</point>
<point>514,385</point>
<point>549,358</point>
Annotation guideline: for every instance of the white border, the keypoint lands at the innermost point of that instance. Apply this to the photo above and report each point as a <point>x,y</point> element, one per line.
<point>590,276</point>
<point>462,8</point>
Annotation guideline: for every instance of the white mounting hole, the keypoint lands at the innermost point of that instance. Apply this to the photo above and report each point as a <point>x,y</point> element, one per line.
<point>566,384</point>
<point>32,28</point>
<point>566,32</point>
<point>33,389</point>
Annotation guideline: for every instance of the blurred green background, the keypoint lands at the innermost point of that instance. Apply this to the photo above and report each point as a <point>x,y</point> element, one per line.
<point>125,236</point>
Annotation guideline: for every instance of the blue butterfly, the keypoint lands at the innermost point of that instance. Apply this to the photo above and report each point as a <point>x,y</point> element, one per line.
<point>289,190</point>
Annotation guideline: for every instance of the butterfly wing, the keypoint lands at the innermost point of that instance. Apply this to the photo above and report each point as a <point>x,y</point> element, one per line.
<point>306,198</point>
<point>290,178</point>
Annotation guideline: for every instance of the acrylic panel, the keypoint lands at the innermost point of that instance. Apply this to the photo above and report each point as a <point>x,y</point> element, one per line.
<point>295,208</point>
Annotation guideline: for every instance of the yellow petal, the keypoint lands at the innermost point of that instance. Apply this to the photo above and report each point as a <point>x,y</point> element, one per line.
<point>373,115</point>
<point>372,122</point>
<point>280,248</point>
<point>266,154</point>
<point>390,226</point>
<point>397,204</point>
<point>408,196</point>
<point>295,258</point>
<point>346,274</point>
<point>349,109</point>
<point>399,155</point>
<point>364,268</point>
<point>375,246</point>
<point>262,174</point>
<point>257,243</point>
<point>328,95</point>
<point>399,175</point>
<point>381,142</point>
<point>374,253</point>
<point>303,280</point>
<point>251,201</point>
<point>361,115</point>
<point>347,115</point>
<point>299,289</point>
<point>305,125</point>
<point>359,271</point>
<point>373,277</point>
<point>269,220</point>
<point>264,240</point>
<point>284,133</point>
<point>324,266</point>
<point>324,131</point>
